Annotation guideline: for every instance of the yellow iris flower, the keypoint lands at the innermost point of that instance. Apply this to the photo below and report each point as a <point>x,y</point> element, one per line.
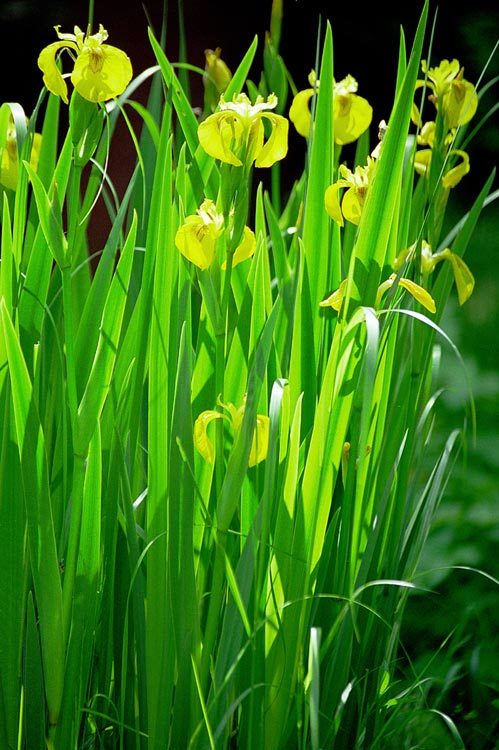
<point>259,446</point>
<point>100,72</point>
<point>236,135</point>
<point>353,200</point>
<point>9,158</point>
<point>335,300</point>
<point>453,176</point>
<point>451,92</point>
<point>422,159</point>
<point>463,277</point>
<point>352,114</point>
<point>197,237</point>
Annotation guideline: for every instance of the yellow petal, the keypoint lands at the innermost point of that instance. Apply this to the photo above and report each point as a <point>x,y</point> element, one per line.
<point>276,146</point>
<point>335,300</point>
<point>442,75</point>
<point>426,136</point>
<point>420,295</point>
<point>459,103</point>
<point>52,77</point>
<point>218,135</point>
<point>403,257</point>
<point>244,250</point>
<point>216,70</point>
<point>422,160</point>
<point>197,241</point>
<point>201,441</point>
<point>463,277</point>
<point>299,112</point>
<point>260,444</point>
<point>216,78</point>
<point>101,73</point>
<point>9,158</point>
<point>332,203</point>
<point>383,287</point>
<point>254,143</point>
<point>455,175</point>
<point>9,166</point>
<point>352,205</point>
<point>35,151</point>
<point>352,116</point>
<point>415,116</point>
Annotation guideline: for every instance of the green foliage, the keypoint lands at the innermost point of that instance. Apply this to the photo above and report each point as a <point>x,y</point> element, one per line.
<point>151,598</point>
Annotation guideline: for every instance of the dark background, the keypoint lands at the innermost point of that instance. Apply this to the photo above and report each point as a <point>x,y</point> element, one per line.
<point>366,39</point>
<point>365,36</point>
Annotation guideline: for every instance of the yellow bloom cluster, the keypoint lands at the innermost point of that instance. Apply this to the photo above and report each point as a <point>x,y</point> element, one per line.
<point>457,100</point>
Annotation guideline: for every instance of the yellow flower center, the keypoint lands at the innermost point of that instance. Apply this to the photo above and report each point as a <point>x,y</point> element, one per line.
<point>96,60</point>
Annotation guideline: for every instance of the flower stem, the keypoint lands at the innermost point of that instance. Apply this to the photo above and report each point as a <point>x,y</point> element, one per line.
<point>68,343</point>
<point>91,4</point>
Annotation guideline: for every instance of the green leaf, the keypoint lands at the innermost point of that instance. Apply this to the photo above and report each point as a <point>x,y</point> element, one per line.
<point>41,537</point>
<point>50,215</point>
<point>34,698</point>
<point>100,377</point>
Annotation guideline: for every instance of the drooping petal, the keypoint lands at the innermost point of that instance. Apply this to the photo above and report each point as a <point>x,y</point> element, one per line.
<point>52,76</point>
<point>415,115</point>
<point>352,116</point>
<point>244,250</point>
<point>420,295</point>
<point>352,205</point>
<point>463,277</point>
<point>101,72</point>
<point>201,440</point>
<point>335,300</point>
<point>332,203</point>
<point>218,134</point>
<point>455,175</point>
<point>299,112</point>
<point>260,444</point>
<point>276,146</point>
